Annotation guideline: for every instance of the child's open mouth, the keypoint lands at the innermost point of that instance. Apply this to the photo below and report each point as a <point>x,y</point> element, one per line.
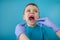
<point>31,18</point>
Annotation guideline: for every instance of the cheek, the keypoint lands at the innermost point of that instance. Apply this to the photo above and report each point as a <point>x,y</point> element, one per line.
<point>36,16</point>
<point>26,16</point>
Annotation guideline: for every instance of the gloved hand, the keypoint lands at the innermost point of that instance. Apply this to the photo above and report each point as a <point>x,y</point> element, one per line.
<point>19,30</point>
<point>46,21</point>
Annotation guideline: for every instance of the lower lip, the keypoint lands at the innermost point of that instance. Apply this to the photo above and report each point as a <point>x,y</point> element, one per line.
<point>32,20</point>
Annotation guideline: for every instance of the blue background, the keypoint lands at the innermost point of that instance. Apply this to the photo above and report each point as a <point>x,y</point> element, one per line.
<point>11,12</point>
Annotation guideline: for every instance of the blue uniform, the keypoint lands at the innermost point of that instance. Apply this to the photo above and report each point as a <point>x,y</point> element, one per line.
<point>34,33</point>
<point>40,33</point>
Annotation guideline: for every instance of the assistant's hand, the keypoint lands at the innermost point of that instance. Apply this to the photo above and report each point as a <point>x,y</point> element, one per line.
<point>46,21</point>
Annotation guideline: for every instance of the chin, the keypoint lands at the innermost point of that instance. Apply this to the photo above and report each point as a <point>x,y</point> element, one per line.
<point>33,23</point>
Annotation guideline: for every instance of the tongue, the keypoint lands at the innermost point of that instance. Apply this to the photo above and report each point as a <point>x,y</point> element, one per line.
<point>31,19</point>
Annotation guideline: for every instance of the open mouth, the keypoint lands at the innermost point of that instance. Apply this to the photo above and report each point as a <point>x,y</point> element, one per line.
<point>31,18</point>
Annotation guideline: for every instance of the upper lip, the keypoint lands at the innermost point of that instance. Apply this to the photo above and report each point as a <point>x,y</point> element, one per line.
<point>31,15</point>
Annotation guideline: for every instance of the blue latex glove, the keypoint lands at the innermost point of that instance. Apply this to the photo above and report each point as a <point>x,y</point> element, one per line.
<point>46,21</point>
<point>20,28</point>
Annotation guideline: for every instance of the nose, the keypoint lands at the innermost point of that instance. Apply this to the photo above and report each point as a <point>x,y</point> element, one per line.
<point>32,12</point>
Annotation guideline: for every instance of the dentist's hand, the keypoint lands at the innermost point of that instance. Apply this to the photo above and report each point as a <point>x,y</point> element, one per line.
<point>46,21</point>
<point>19,30</point>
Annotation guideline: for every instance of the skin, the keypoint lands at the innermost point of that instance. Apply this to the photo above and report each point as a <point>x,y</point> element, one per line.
<point>31,10</point>
<point>58,33</point>
<point>23,37</point>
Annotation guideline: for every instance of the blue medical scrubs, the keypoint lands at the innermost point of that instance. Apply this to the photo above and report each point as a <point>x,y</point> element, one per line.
<point>40,32</point>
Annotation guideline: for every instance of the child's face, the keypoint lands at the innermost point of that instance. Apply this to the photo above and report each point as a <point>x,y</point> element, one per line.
<point>31,14</point>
